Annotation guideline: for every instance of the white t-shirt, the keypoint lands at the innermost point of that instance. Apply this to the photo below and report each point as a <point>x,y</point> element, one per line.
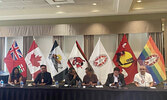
<point>115,78</point>
<point>143,80</point>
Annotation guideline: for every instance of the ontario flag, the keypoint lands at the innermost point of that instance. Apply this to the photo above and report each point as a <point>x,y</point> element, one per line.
<point>34,59</point>
<point>78,60</point>
<point>57,63</point>
<point>14,58</point>
<point>125,59</point>
<point>101,62</point>
<point>152,58</point>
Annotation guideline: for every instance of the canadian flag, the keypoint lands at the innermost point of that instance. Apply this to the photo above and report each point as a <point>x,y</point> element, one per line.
<point>34,59</point>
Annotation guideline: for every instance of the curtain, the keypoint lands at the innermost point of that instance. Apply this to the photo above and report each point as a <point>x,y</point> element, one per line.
<point>82,28</point>
<point>88,45</point>
<point>120,36</point>
<point>27,41</point>
<point>2,52</point>
<point>159,41</point>
<point>59,40</point>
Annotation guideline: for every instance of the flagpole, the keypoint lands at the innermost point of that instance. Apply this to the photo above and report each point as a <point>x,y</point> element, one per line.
<point>33,38</point>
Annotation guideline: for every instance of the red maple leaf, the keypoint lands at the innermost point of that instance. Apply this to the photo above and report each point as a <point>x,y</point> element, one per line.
<point>34,60</point>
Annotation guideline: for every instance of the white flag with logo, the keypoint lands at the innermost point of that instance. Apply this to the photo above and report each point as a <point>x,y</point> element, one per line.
<point>34,59</point>
<point>101,62</point>
<point>78,60</point>
<point>57,63</point>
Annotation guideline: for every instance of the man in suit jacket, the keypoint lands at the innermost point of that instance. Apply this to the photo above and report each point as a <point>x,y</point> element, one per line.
<point>115,77</point>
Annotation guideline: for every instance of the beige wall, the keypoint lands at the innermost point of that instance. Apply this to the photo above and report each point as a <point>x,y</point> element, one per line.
<point>82,28</point>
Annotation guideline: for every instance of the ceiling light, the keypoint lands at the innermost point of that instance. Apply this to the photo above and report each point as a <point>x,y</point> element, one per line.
<point>59,12</point>
<point>95,11</point>
<point>57,6</point>
<point>94,4</point>
<point>0,1</point>
<point>139,1</point>
<point>138,8</point>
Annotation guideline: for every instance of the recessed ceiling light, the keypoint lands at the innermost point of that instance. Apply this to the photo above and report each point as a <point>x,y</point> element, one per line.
<point>60,12</point>
<point>138,8</point>
<point>57,6</point>
<point>94,4</point>
<point>95,11</point>
<point>139,1</point>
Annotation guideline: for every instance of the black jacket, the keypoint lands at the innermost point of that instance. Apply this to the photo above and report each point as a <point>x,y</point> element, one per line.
<point>70,81</point>
<point>46,76</point>
<point>110,79</point>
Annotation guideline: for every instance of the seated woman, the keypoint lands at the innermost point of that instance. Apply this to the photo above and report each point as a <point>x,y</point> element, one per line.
<point>15,77</point>
<point>90,78</point>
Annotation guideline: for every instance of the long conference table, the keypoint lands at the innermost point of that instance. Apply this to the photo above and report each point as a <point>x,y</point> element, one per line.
<point>53,93</point>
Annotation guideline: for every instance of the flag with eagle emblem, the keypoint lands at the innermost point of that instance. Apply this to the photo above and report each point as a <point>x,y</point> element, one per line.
<point>57,63</point>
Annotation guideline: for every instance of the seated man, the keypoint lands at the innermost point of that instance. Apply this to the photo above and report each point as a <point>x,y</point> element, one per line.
<point>90,79</point>
<point>72,78</point>
<point>44,77</point>
<point>143,79</point>
<point>115,77</point>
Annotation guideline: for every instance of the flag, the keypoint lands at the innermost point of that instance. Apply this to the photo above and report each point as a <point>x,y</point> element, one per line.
<point>78,60</point>
<point>57,63</point>
<point>14,58</point>
<point>34,59</point>
<point>152,58</point>
<point>101,62</point>
<point>125,59</point>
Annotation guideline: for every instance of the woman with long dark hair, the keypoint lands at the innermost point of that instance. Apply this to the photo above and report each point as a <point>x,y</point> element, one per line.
<point>15,77</point>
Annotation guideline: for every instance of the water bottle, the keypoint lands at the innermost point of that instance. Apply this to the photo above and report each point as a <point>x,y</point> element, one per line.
<point>2,83</point>
<point>21,84</point>
<point>57,84</point>
<point>98,83</point>
<point>119,85</point>
<point>165,85</point>
<point>79,84</point>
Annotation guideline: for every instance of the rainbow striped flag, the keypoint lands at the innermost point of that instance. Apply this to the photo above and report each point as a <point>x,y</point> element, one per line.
<point>152,58</point>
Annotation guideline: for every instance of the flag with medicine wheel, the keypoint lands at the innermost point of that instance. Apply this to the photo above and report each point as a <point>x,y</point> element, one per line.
<point>34,59</point>
<point>14,58</point>
<point>152,58</point>
<point>125,59</point>
<point>101,62</point>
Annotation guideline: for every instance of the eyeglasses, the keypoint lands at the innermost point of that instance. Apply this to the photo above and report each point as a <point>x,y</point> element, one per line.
<point>142,69</point>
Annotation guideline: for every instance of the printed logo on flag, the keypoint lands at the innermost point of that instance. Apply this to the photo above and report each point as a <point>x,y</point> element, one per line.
<point>151,60</point>
<point>35,60</point>
<point>15,51</point>
<point>56,59</point>
<point>21,68</point>
<point>124,59</point>
<point>77,61</point>
<point>100,60</point>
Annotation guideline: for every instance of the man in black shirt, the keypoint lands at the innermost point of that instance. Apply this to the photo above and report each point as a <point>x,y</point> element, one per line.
<point>44,77</point>
<point>72,77</point>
